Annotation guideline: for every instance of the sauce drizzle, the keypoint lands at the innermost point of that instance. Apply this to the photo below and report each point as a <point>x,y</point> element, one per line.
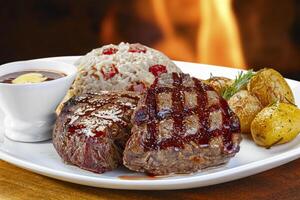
<point>150,115</point>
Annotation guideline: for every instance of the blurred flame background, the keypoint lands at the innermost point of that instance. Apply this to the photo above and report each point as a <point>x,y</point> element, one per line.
<point>235,33</point>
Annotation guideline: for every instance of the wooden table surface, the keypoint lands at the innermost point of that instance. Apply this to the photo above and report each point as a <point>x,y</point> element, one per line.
<point>276,184</point>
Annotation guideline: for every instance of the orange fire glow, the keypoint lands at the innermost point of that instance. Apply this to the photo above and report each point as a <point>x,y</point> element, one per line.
<point>171,44</point>
<point>218,35</point>
<point>218,40</point>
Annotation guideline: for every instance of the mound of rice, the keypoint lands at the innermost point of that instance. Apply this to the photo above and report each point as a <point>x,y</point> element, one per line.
<point>121,67</point>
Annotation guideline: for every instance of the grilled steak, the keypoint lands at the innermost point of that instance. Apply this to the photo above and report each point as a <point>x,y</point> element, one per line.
<point>181,125</point>
<point>91,131</point>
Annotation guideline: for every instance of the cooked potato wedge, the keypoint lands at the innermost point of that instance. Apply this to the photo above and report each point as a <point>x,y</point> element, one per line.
<point>269,86</point>
<point>219,83</point>
<point>246,106</point>
<point>276,124</point>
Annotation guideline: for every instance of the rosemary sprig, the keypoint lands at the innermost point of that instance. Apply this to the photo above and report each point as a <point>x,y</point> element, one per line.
<point>240,81</point>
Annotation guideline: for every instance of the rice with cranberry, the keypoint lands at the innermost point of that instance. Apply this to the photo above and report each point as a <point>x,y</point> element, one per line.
<point>121,67</point>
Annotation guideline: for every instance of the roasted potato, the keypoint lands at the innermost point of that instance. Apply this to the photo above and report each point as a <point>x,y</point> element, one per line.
<point>276,124</point>
<point>246,106</point>
<point>269,86</point>
<point>219,83</point>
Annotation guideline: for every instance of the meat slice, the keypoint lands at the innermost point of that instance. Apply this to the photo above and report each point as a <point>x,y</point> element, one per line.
<point>181,125</point>
<point>92,129</point>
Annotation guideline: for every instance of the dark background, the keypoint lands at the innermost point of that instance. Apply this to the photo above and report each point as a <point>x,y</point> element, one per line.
<point>270,30</point>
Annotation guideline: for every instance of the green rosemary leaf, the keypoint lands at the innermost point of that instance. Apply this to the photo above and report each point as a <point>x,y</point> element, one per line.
<point>240,81</point>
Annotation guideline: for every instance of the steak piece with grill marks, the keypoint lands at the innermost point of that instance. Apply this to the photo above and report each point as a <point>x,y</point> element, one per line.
<point>92,129</point>
<point>181,125</point>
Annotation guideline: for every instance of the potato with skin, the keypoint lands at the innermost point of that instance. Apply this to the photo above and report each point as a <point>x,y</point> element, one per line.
<point>219,83</point>
<point>246,106</point>
<point>269,86</point>
<point>276,124</point>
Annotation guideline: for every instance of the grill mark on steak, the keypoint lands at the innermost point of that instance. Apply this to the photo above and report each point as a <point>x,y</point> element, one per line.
<point>202,113</point>
<point>177,104</point>
<point>178,113</point>
<point>152,110</point>
<point>181,125</point>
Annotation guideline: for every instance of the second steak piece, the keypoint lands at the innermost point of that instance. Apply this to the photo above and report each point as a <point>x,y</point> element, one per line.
<point>181,126</point>
<point>92,129</point>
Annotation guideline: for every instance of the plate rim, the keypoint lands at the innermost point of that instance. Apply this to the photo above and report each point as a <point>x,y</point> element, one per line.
<point>179,183</point>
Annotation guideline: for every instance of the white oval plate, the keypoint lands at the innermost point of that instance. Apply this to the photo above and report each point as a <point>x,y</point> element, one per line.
<point>43,159</point>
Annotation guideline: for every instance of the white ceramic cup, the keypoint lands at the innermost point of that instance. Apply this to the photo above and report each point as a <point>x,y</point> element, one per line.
<point>29,109</point>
